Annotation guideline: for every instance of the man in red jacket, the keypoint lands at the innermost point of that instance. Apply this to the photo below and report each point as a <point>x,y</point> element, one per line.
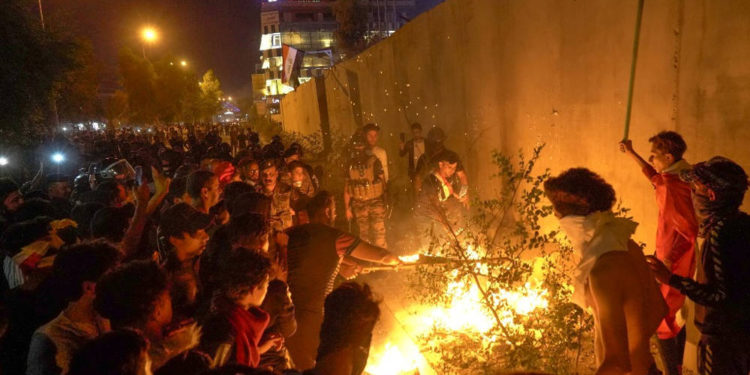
<point>676,232</point>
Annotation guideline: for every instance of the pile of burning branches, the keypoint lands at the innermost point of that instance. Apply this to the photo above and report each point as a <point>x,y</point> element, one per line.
<point>494,294</point>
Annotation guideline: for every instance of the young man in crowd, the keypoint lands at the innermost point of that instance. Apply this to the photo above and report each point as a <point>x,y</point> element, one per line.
<point>136,296</point>
<point>365,193</point>
<point>280,194</point>
<point>249,171</point>
<point>204,190</point>
<point>722,289</point>
<point>58,192</point>
<point>434,147</point>
<point>413,149</point>
<point>371,133</point>
<point>316,253</point>
<point>183,230</point>
<point>121,352</point>
<point>438,208</point>
<point>351,312</point>
<point>233,331</point>
<point>11,200</point>
<point>675,234</point>
<point>612,279</point>
<point>76,272</point>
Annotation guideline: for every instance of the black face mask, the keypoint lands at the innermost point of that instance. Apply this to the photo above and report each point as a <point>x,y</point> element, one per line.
<point>707,211</point>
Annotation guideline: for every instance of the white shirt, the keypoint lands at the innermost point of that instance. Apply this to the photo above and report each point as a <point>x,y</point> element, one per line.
<point>418,150</point>
<point>379,152</point>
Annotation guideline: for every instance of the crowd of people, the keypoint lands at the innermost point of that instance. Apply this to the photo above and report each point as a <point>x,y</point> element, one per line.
<point>199,250</point>
<point>202,251</point>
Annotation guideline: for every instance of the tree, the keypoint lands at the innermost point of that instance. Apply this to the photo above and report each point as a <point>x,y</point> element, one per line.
<point>76,93</point>
<point>209,103</point>
<point>351,16</point>
<point>174,84</point>
<point>139,81</point>
<point>115,108</point>
<point>34,62</point>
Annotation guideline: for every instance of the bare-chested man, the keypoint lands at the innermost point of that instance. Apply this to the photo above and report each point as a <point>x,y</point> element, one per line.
<point>612,278</point>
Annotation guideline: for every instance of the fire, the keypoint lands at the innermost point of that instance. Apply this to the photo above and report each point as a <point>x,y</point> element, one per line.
<point>394,360</point>
<point>409,258</point>
<point>465,312</point>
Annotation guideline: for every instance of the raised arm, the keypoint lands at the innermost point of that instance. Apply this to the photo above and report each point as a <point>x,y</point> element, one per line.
<point>627,148</point>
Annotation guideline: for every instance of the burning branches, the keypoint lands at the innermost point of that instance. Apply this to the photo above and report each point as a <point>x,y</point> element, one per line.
<point>504,302</point>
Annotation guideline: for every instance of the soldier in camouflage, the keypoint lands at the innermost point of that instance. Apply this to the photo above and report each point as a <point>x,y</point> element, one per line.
<point>364,193</point>
<point>280,194</point>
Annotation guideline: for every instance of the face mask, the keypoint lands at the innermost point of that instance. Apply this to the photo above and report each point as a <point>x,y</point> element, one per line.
<point>574,228</point>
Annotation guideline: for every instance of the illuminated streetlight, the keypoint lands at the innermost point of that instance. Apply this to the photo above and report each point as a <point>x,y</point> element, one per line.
<point>58,157</point>
<point>183,63</point>
<point>3,161</point>
<point>149,36</point>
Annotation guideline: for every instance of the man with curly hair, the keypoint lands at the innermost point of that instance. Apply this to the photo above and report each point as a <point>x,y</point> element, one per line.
<point>612,278</point>
<point>233,330</point>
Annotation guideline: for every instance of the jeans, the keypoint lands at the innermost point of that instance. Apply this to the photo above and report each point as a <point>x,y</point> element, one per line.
<point>670,351</point>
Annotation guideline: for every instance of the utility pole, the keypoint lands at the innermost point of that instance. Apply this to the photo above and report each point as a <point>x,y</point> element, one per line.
<point>54,100</point>
<point>380,24</point>
<point>41,14</point>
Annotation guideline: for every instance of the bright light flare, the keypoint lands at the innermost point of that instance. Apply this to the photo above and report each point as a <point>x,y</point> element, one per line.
<point>409,258</point>
<point>58,157</point>
<point>183,63</point>
<point>3,161</point>
<point>149,34</point>
<point>393,360</point>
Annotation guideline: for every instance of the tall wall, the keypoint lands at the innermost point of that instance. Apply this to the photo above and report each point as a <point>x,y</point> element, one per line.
<point>509,74</point>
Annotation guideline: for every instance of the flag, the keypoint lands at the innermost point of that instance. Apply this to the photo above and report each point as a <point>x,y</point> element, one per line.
<point>291,57</point>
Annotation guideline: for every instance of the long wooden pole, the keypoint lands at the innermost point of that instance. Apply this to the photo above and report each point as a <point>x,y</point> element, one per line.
<point>633,63</point>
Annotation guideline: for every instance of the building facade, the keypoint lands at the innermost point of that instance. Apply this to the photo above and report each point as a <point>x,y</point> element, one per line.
<point>309,25</point>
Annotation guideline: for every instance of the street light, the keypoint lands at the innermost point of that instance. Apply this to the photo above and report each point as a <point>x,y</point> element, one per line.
<point>3,161</point>
<point>149,36</point>
<point>183,63</point>
<point>58,158</point>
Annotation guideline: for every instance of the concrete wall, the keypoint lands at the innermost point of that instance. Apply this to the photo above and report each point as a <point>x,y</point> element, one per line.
<point>508,74</point>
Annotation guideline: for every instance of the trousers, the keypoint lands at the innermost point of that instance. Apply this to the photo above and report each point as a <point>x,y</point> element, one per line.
<point>370,216</point>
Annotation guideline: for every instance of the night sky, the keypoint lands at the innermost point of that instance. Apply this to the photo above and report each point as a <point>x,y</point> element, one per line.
<point>222,35</point>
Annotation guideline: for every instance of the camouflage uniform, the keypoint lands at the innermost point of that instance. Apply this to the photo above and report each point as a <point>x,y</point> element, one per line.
<point>367,189</point>
<point>281,206</point>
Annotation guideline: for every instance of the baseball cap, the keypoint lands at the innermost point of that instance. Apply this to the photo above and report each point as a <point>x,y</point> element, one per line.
<point>719,174</point>
<point>182,218</point>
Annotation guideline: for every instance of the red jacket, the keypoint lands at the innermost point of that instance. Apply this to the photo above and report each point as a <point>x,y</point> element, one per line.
<point>676,233</point>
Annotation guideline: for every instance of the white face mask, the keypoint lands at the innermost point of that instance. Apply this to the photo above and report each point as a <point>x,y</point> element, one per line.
<point>574,227</point>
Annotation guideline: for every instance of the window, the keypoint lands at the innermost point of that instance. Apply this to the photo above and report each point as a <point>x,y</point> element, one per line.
<point>276,40</point>
<point>265,29</point>
<point>273,28</point>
